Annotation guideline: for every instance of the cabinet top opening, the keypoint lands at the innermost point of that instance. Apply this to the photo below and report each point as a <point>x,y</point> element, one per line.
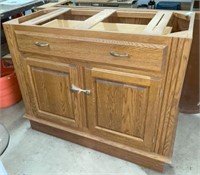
<point>162,23</point>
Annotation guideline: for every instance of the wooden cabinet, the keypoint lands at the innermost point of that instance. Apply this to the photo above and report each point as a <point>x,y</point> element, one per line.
<point>106,79</point>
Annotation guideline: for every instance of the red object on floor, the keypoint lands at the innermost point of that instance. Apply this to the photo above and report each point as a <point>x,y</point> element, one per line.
<point>6,66</point>
<point>9,88</point>
<point>17,15</point>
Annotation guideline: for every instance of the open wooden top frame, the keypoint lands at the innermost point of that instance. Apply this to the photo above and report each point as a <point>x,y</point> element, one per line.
<point>162,23</point>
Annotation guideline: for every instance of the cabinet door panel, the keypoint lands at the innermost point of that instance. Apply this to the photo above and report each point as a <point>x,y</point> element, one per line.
<point>122,106</point>
<point>49,86</point>
<point>54,87</point>
<point>118,103</point>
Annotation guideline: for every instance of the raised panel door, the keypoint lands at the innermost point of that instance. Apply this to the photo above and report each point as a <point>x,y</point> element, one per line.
<point>122,107</point>
<point>50,89</point>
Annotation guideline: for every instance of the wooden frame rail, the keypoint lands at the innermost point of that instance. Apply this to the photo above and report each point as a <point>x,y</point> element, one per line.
<point>158,23</point>
<point>46,17</point>
<point>90,22</point>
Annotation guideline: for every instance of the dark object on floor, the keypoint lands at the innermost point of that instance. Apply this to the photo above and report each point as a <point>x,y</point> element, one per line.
<point>143,6</point>
<point>168,5</point>
<point>53,1</point>
<point>151,4</point>
<point>4,138</point>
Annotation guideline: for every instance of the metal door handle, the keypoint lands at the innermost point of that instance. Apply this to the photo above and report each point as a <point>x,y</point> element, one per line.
<point>119,55</point>
<point>77,89</point>
<point>39,44</point>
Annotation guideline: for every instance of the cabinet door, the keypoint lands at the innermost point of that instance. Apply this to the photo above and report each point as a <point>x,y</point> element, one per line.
<point>50,89</point>
<point>122,107</point>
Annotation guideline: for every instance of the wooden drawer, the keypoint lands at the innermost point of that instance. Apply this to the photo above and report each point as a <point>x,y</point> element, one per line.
<point>118,53</point>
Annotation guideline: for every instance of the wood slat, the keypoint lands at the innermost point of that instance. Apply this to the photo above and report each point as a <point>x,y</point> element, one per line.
<point>163,23</point>
<point>103,26</point>
<point>46,17</point>
<point>158,23</point>
<point>155,20</point>
<point>95,19</point>
<point>191,24</point>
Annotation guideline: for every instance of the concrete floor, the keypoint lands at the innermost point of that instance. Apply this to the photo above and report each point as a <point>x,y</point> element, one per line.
<point>34,153</point>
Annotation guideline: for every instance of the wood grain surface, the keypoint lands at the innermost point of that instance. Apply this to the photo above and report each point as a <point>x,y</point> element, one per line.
<point>141,55</point>
<point>118,107</point>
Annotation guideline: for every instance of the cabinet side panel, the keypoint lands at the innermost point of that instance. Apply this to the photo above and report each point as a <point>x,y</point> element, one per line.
<point>18,64</point>
<point>178,81</point>
<point>179,53</point>
<point>171,62</point>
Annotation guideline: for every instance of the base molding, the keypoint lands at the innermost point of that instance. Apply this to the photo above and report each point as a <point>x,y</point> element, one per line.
<point>155,162</point>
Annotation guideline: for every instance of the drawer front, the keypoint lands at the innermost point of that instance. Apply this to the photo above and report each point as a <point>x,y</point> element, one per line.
<point>118,53</point>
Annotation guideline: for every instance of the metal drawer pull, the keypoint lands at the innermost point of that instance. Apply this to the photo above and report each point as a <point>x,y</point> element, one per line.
<point>77,89</point>
<point>119,55</point>
<point>41,44</point>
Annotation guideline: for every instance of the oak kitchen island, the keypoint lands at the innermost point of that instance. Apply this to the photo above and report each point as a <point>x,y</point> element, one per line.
<point>108,79</point>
